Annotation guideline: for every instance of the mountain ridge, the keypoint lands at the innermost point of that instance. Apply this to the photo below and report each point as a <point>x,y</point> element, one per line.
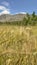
<point>10,17</point>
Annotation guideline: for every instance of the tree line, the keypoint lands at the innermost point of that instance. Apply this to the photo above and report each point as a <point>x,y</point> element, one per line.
<point>30,19</point>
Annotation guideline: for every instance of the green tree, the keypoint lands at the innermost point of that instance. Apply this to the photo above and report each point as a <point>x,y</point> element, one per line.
<point>33,19</point>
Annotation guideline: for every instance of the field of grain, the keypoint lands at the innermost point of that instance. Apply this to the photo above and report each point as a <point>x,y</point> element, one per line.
<point>18,45</point>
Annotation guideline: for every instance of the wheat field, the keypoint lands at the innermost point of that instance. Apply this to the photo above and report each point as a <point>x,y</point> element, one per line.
<point>18,45</point>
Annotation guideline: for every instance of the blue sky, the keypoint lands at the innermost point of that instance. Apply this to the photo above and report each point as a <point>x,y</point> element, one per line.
<point>16,6</point>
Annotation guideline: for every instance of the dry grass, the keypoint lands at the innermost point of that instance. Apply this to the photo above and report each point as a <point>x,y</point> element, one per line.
<point>18,45</point>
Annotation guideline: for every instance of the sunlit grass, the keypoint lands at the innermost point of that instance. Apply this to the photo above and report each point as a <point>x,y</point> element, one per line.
<point>18,45</point>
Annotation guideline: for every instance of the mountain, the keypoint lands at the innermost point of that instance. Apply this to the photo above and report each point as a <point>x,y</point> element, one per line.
<point>11,18</point>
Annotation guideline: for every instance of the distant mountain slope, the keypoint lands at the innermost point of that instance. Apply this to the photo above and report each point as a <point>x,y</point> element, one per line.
<point>10,18</point>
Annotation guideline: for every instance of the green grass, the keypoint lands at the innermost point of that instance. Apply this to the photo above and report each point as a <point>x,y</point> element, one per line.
<point>18,45</point>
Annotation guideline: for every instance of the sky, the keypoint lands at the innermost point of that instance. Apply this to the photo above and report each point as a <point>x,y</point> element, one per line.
<point>18,6</point>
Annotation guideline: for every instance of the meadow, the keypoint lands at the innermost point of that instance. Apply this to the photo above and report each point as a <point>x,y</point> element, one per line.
<point>18,45</point>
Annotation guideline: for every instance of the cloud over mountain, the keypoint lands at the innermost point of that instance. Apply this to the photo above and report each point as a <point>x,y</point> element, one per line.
<point>4,10</point>
<point>4,7</point>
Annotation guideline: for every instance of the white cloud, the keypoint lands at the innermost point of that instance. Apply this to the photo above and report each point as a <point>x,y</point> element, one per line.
<point>23,12</point>
<point>5,3</point>
<point>4,10</point>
